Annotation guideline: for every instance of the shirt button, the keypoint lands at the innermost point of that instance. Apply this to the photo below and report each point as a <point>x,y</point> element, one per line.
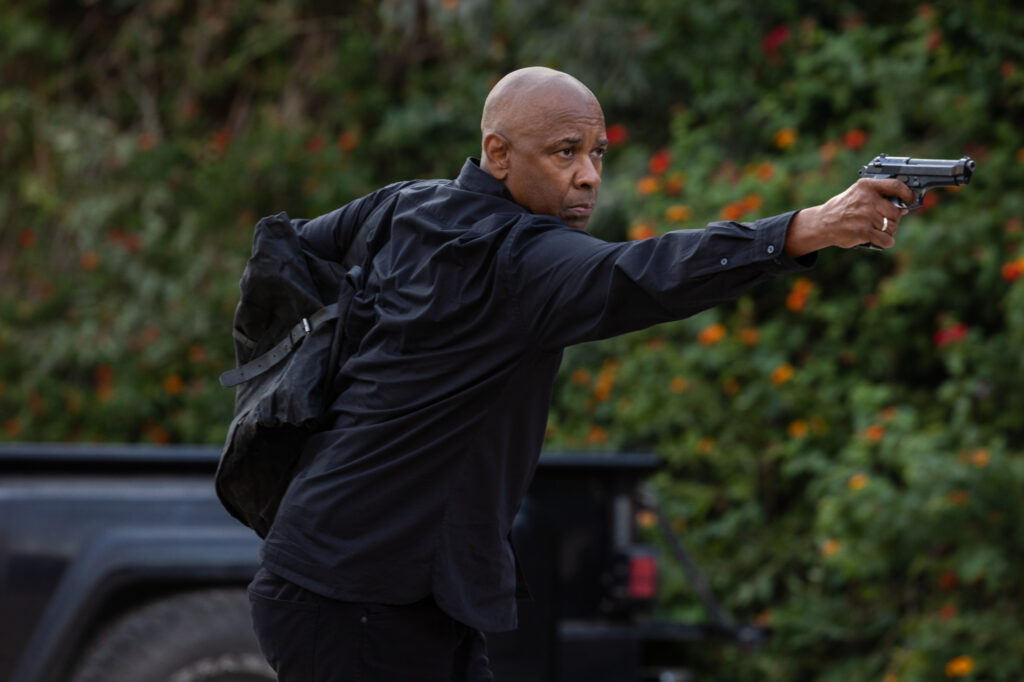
<point>363,619</point>
<point>771,248</point>
<point>724,261</point>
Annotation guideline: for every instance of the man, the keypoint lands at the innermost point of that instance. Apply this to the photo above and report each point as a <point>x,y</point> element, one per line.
<point>389,554</point>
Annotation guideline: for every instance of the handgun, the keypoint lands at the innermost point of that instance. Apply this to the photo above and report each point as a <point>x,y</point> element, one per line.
<point>920,175</point>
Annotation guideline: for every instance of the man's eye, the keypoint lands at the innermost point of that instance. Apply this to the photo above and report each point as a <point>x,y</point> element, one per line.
<point>600,152</point>
<point>567,152</point>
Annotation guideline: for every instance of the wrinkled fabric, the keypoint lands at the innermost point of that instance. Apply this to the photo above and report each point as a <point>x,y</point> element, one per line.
<point>435,436</point>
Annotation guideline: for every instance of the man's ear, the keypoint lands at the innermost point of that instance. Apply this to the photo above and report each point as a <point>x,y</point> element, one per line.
<point>496,155</point>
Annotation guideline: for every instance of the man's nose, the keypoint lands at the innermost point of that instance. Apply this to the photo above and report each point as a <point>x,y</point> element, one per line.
<point>588,176</point>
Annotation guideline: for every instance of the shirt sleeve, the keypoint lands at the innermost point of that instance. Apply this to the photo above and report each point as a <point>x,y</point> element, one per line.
<point>330,235</point>
<point>570,287</point>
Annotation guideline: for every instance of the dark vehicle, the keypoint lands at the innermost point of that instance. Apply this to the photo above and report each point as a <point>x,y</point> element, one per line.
<point>118,563</point>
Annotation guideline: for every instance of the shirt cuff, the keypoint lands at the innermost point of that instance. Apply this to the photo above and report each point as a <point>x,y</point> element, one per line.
<point>771,242</point>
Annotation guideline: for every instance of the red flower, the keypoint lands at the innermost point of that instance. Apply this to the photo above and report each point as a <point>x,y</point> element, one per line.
<point>855,139</point>
<point>220,140</point>
<point>659,162</point>
<point>617,134</point>
<point>950,334</point>
<point>1013,270</point>
<point>775,39</point>
<point>316,144</point>
<point>947,580</point>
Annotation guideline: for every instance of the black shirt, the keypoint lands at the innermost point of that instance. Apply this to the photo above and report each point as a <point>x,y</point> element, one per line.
<point>439,427</point>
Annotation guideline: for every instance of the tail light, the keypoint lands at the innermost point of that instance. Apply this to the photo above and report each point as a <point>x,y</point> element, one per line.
<point>642,581</point>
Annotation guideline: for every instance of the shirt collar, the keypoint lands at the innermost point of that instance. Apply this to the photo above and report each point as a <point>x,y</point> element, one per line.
<point>475,179</point>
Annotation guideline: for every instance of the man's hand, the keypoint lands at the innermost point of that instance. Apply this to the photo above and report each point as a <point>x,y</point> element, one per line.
<point>862,214</point>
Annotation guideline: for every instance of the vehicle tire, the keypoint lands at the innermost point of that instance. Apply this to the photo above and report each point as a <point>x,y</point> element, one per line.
<point>200,636</point>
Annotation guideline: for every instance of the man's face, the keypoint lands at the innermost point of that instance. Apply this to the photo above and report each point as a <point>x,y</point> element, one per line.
<point>555,160</point>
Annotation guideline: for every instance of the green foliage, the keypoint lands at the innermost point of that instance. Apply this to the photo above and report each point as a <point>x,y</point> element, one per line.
<point>842,447</point>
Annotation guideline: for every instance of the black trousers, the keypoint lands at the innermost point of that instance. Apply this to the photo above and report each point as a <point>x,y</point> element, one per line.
<point>309,638</point>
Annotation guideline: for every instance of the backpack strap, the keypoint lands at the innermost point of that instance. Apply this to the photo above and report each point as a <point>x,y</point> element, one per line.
<point>279,352</point>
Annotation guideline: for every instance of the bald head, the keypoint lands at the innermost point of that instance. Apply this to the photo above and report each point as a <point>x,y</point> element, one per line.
<point>525,100</point>
<point>544,139</point>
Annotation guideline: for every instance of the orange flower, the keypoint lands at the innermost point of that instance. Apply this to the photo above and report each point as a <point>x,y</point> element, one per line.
<point>677,213</point>
<point>960,666</point>
<point>734,211</point>
<point>12,427</point>
<point>752,202</point>
<point>1020,154</point>
<point>980,457</point>
<point>765,171</point>
<point>173,384</point>
<point>730,386</point>
<point>1013,270</point>
<point>678,384</point>
<point>785,138</point>
<point>645,518</point>
<point>706,445</point>
<point>798,428</point>
<point>641,231</point>
<point>797,298</point>
<point>711,334</point>
<point>830,547</point>
<point>580,377</point>
<point>948,611</point>
<point>782,374</point>
<point>348,140</point>
<point>958,498</point>
<point>750,336</point>
<point>147,141</point>
<point>828,151</point>
<point>858,481</point>
<point>196,354</point>
<point>89,260</point>
<point>874,433</point>
<point>157,434</point>
<point>597,435</point>
<point>605,380</point>
<point>674,183</point>
<point>647,185</point>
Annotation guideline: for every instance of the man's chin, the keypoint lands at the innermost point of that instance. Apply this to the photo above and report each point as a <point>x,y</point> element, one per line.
<point>576,220</point>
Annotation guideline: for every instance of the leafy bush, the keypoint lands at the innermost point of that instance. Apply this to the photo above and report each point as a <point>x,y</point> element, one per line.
<point>842,448</point>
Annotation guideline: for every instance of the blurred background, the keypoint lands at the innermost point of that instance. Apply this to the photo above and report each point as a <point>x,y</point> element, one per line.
<point>843,449</point>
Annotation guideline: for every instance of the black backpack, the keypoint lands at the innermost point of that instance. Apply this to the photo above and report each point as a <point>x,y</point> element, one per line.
<point>290,338</point>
